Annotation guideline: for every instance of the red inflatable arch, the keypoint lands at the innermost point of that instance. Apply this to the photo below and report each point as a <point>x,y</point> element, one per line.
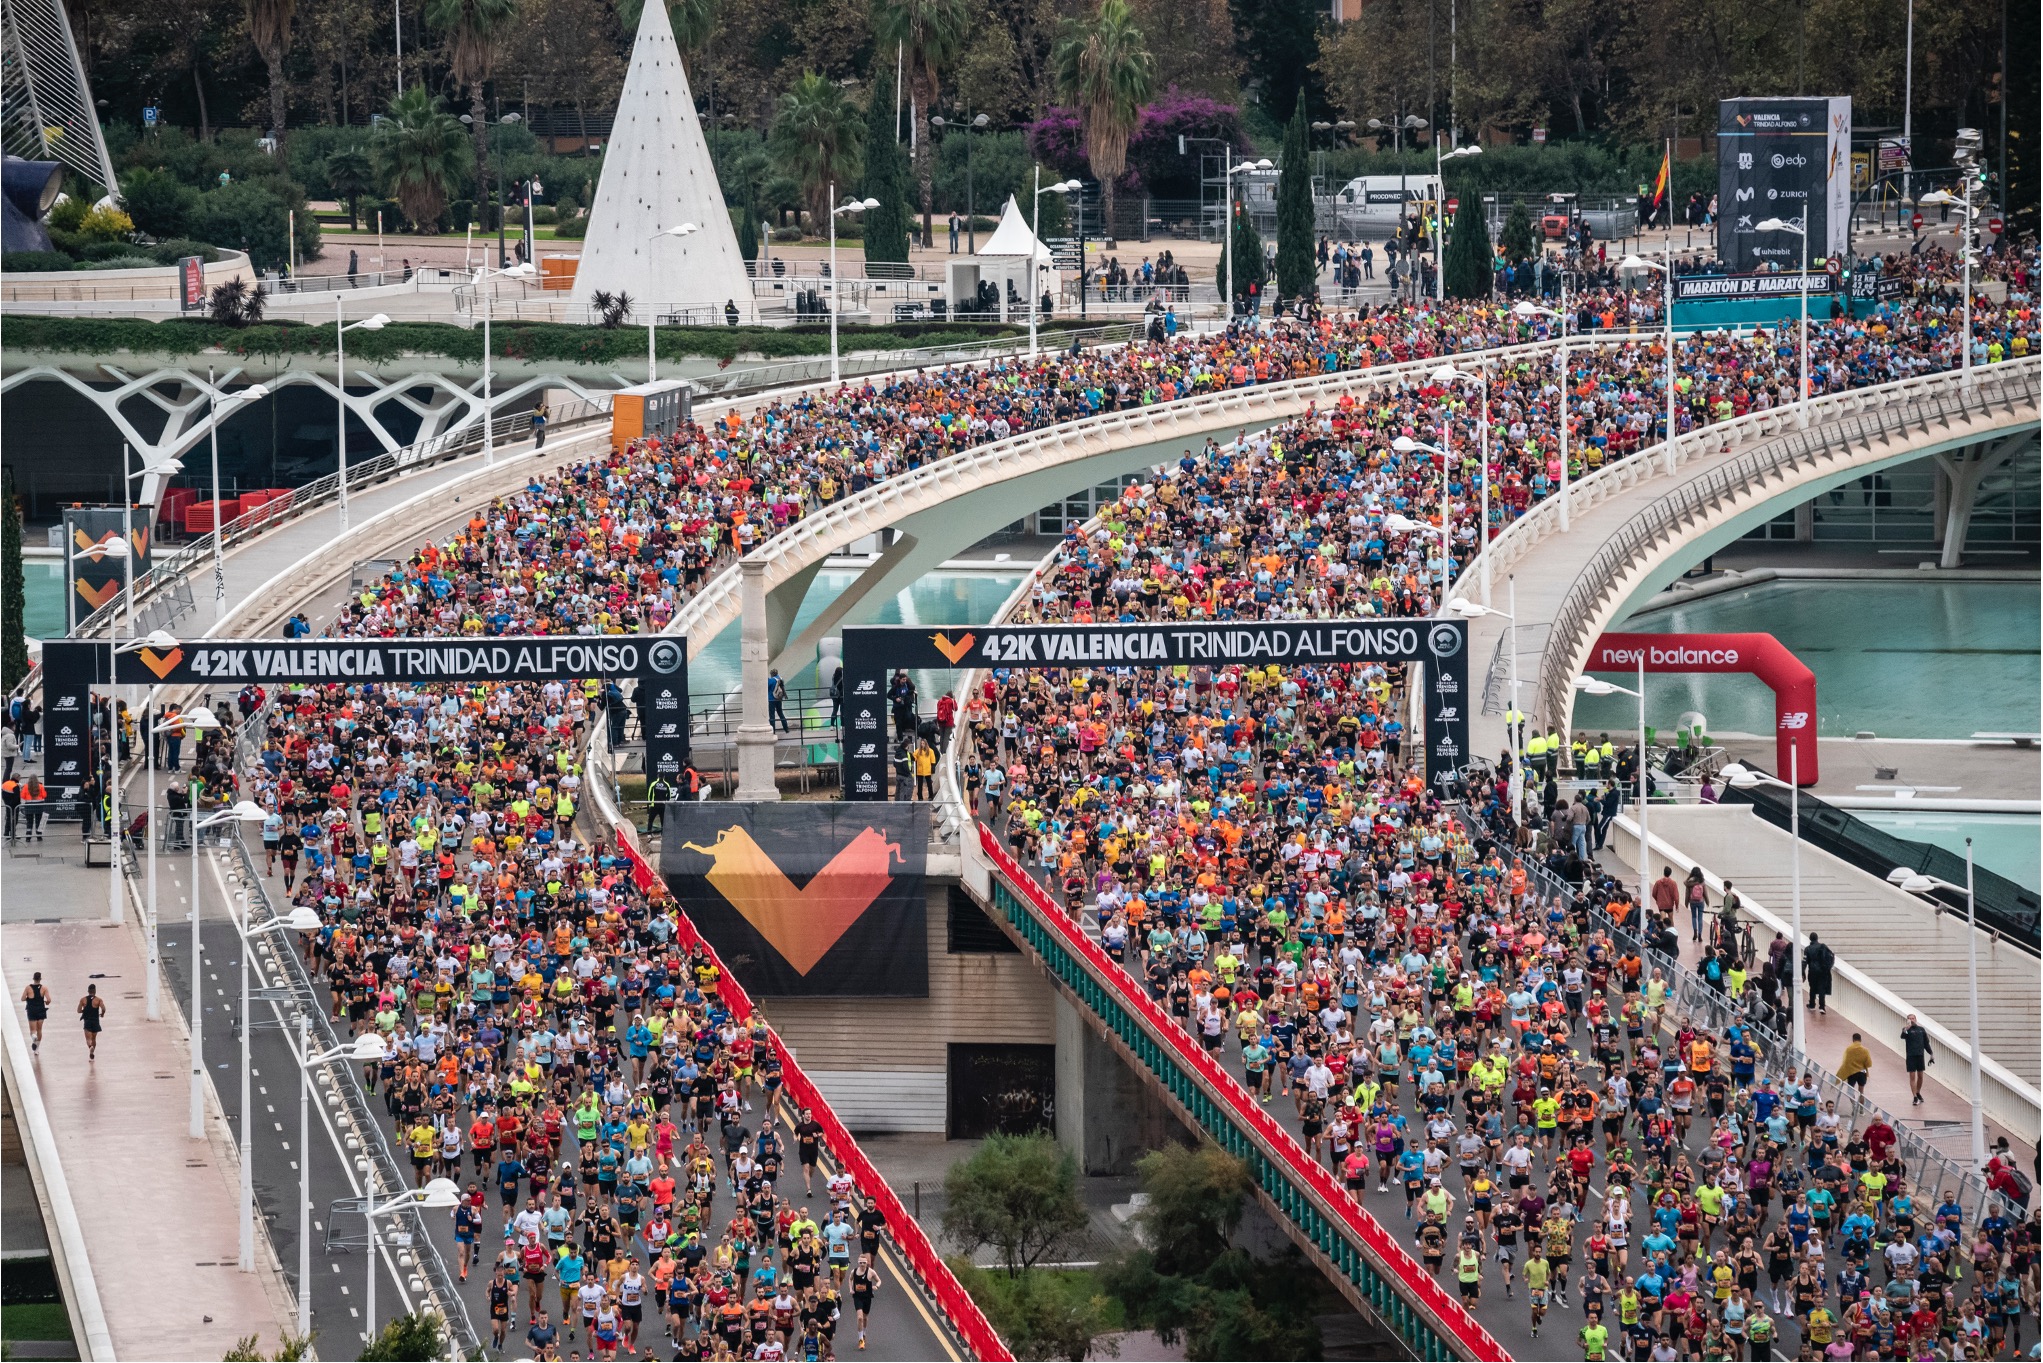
<point>1762,655</point>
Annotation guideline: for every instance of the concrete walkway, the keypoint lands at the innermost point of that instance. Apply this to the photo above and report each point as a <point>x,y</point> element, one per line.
<point>157,1208</point>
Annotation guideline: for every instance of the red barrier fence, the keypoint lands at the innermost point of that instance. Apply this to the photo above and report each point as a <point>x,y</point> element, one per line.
<point>951,1298</point>
<point>1446,1307</point>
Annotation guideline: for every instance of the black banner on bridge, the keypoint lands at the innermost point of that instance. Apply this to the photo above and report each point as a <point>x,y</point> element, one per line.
<point>71,667</point>
<point>872,652</point>
<point>805,899</point>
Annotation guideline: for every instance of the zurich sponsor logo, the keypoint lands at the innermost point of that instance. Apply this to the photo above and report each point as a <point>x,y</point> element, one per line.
<point>666,655</point>
<point>1444,639</point>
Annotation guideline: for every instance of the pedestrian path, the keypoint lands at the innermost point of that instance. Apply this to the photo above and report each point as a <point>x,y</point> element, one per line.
<point>157,1208</point>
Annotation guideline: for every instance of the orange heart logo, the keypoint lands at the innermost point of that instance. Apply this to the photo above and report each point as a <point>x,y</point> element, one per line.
<point>161,664</point>
<point>954,651</point>
<point>802,925</point>
<point>98,596</point>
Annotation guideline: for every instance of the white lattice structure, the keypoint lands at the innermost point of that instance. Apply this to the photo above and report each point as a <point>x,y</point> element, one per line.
<point>46,109</point>
<point>657,175</point>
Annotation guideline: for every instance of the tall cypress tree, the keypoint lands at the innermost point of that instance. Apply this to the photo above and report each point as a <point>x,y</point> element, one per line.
<point>886,175</point>
<point>1249,267</point>
<point>1469,273</point>
<point>1296,273</point>
<point>13,590</point>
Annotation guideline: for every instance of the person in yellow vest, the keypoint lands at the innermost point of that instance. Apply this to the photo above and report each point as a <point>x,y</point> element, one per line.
<point>1535,755</point>
<point>1588,760</point>
<point>1554,746</point>
<point>1609,751</point>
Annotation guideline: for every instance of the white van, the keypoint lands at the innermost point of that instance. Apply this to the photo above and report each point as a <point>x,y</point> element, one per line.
<point>1375,202</point>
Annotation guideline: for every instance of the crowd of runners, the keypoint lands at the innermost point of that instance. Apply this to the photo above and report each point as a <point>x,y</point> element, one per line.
<point>631,1178</point>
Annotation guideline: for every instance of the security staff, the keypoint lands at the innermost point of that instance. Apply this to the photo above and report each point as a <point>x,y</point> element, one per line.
<point>1553,750</point>
<point>1589,760</point>
<point>1608,750</point>
<point>658,791</point>
<point>1535,755</point>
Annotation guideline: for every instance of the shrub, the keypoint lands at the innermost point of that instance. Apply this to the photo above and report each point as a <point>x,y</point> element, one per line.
<point>573,231</point>
<point>159,204</point>
<point>35,262</point>
<point>251,218</point>
<point>125,262</point>
<point>542,214</point>
<point>177,248</point>
<point>103,222</point>
<point>787,234</point>
<point>461,213</point>
<point>68,214</point>
<point>97,251</point>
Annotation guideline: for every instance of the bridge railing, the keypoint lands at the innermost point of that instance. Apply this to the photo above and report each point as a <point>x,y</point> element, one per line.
<point>1350,1242</point>
<point>1856,417</point>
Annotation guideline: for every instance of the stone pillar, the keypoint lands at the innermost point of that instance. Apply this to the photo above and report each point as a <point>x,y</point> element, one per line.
<point>755,729</point>
<point>1805,523</point>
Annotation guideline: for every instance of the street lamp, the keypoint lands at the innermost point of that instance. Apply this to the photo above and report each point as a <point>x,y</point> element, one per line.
<point>848,206</point>
<point>367,1049</point>
<point>498,188</point>
<point>1227,243</point>
<point>340,390</point>
<point>246,811</point>
<point>252,393</point>
<point>1513,720</point>
<point>524,269</point>
<point>440,1195</point>
<point>977,123</point>
<point>1036,245</point>
<point>198,720</point>
<point>1639,262</point>
<point>1440,159</point>
<point>1404,444</point>
<point>1397,128</point>
<point>1802,236</point>
<point>1447,373</point>
<point>1944,198</point>
<point>1596,686</point>
<point>1741,777</point>
<point>685,229</point>
<point>1916,882</point>
<point>304,918</point>
<point>120,551</point>
<point>1527,308</point>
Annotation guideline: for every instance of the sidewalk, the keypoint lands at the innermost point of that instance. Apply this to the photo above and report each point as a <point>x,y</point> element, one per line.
<point>158,1209</point>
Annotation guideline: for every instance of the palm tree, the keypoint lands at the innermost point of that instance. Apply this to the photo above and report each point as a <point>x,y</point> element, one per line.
<point>473,28</point>
<point>930,35</point>
<point>349,176</point>
<point>816,137</point>
<point>417,154</point>
<point>1106,71</point>
<point>269,26</point>
<point>692,20</point>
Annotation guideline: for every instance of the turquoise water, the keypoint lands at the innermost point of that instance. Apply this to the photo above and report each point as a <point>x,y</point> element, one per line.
<point>1903,659</point>
<point>939,599</point>
<point>43,586</point>
<point>2011,844</point>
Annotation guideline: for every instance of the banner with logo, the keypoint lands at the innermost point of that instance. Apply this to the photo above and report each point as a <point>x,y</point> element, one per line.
<point>1760,655</point>
<point>1787,159</point>
<point>806,898</point>
<point>872,652</point>
<point>1786,284</point>
<point>67,721</point>
<point>92,576</point>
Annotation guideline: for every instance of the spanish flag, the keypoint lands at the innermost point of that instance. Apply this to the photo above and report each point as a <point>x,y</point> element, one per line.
<point>1660,185</point>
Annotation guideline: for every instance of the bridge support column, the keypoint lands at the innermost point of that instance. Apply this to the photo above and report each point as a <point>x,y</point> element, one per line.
<point>755,729</point>
<point>1107,1115</point>
<point>1966,470</point>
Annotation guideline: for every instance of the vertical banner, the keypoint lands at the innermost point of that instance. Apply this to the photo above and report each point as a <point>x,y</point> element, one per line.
<point>803,899</point>
<point>1782,158</point>
<point>865,715</point>
<point>191,278</point>
<point>92,577</point>
<point>69,669</point>
<point>1836,235</point>
<point>663,708</point>
<point>1446,704</point>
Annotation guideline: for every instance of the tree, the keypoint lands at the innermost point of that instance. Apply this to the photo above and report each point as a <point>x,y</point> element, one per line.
<point>1469,273</point>
<point>693,21</point>
<point>1105,70</point>
<point>1039,1314</point>
<point>159,204</point>
<point>269,26</point>
<point>1196,1198</point>
<point>1276,41</point>
<point>930,35</point>
<point>1517,236</point>
<point>417,154</point>
<point>1297,272</point>
<point>816,136</point>
<point>349,176</point>
<point>886,175</point>
<point>422,1334</point>
<point>1018,1194</point>
<point>13,589</point>
<point>474,28</point>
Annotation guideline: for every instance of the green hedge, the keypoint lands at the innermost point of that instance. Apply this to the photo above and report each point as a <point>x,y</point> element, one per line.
<point>538,341</point>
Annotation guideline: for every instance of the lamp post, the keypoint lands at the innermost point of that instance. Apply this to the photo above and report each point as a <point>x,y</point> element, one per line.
<point>1742,777</point>
<point>366,1049</point>
<point>1527,308</point>
<point>197,721</point>
<point>1227,243</point>
<point>524,269</point>
<point>1944,198</point>
<point>974,124</point>
<point>1594,686</point>
<point>1801,236</point>
<point>252,393</point>
<point>1036,246</point>
<point>1638,262</point>
<point>1440,231</point>
<point>1447,373</point>
<point>848,206</point>
<point>301,919</point>
<point>246,811</point>
<point>685,229</point>
<point>1915,882</point>
<point>1404,444</point>
<point>440,1195</point>
<point>1397,128</point>
<point>122,550</point>
<point>1513,720</point>
<point>468,120</point>
<point>340,391</point>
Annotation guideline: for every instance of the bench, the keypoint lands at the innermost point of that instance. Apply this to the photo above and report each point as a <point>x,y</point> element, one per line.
<point>2019,740</point>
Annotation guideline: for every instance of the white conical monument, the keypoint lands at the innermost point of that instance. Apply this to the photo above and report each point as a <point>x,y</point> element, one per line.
<point>657,175</point>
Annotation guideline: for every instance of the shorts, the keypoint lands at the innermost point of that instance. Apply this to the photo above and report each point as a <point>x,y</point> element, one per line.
<point>1507,1254</point>
<point>1470,1288</point>
<point>634,1314</point>
<point>1537,1299</point>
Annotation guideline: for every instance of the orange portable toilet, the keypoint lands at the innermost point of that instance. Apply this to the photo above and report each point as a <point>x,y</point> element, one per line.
<point>645,409</point>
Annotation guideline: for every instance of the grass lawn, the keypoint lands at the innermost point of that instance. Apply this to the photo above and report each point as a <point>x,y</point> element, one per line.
<point>35,1320</point>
